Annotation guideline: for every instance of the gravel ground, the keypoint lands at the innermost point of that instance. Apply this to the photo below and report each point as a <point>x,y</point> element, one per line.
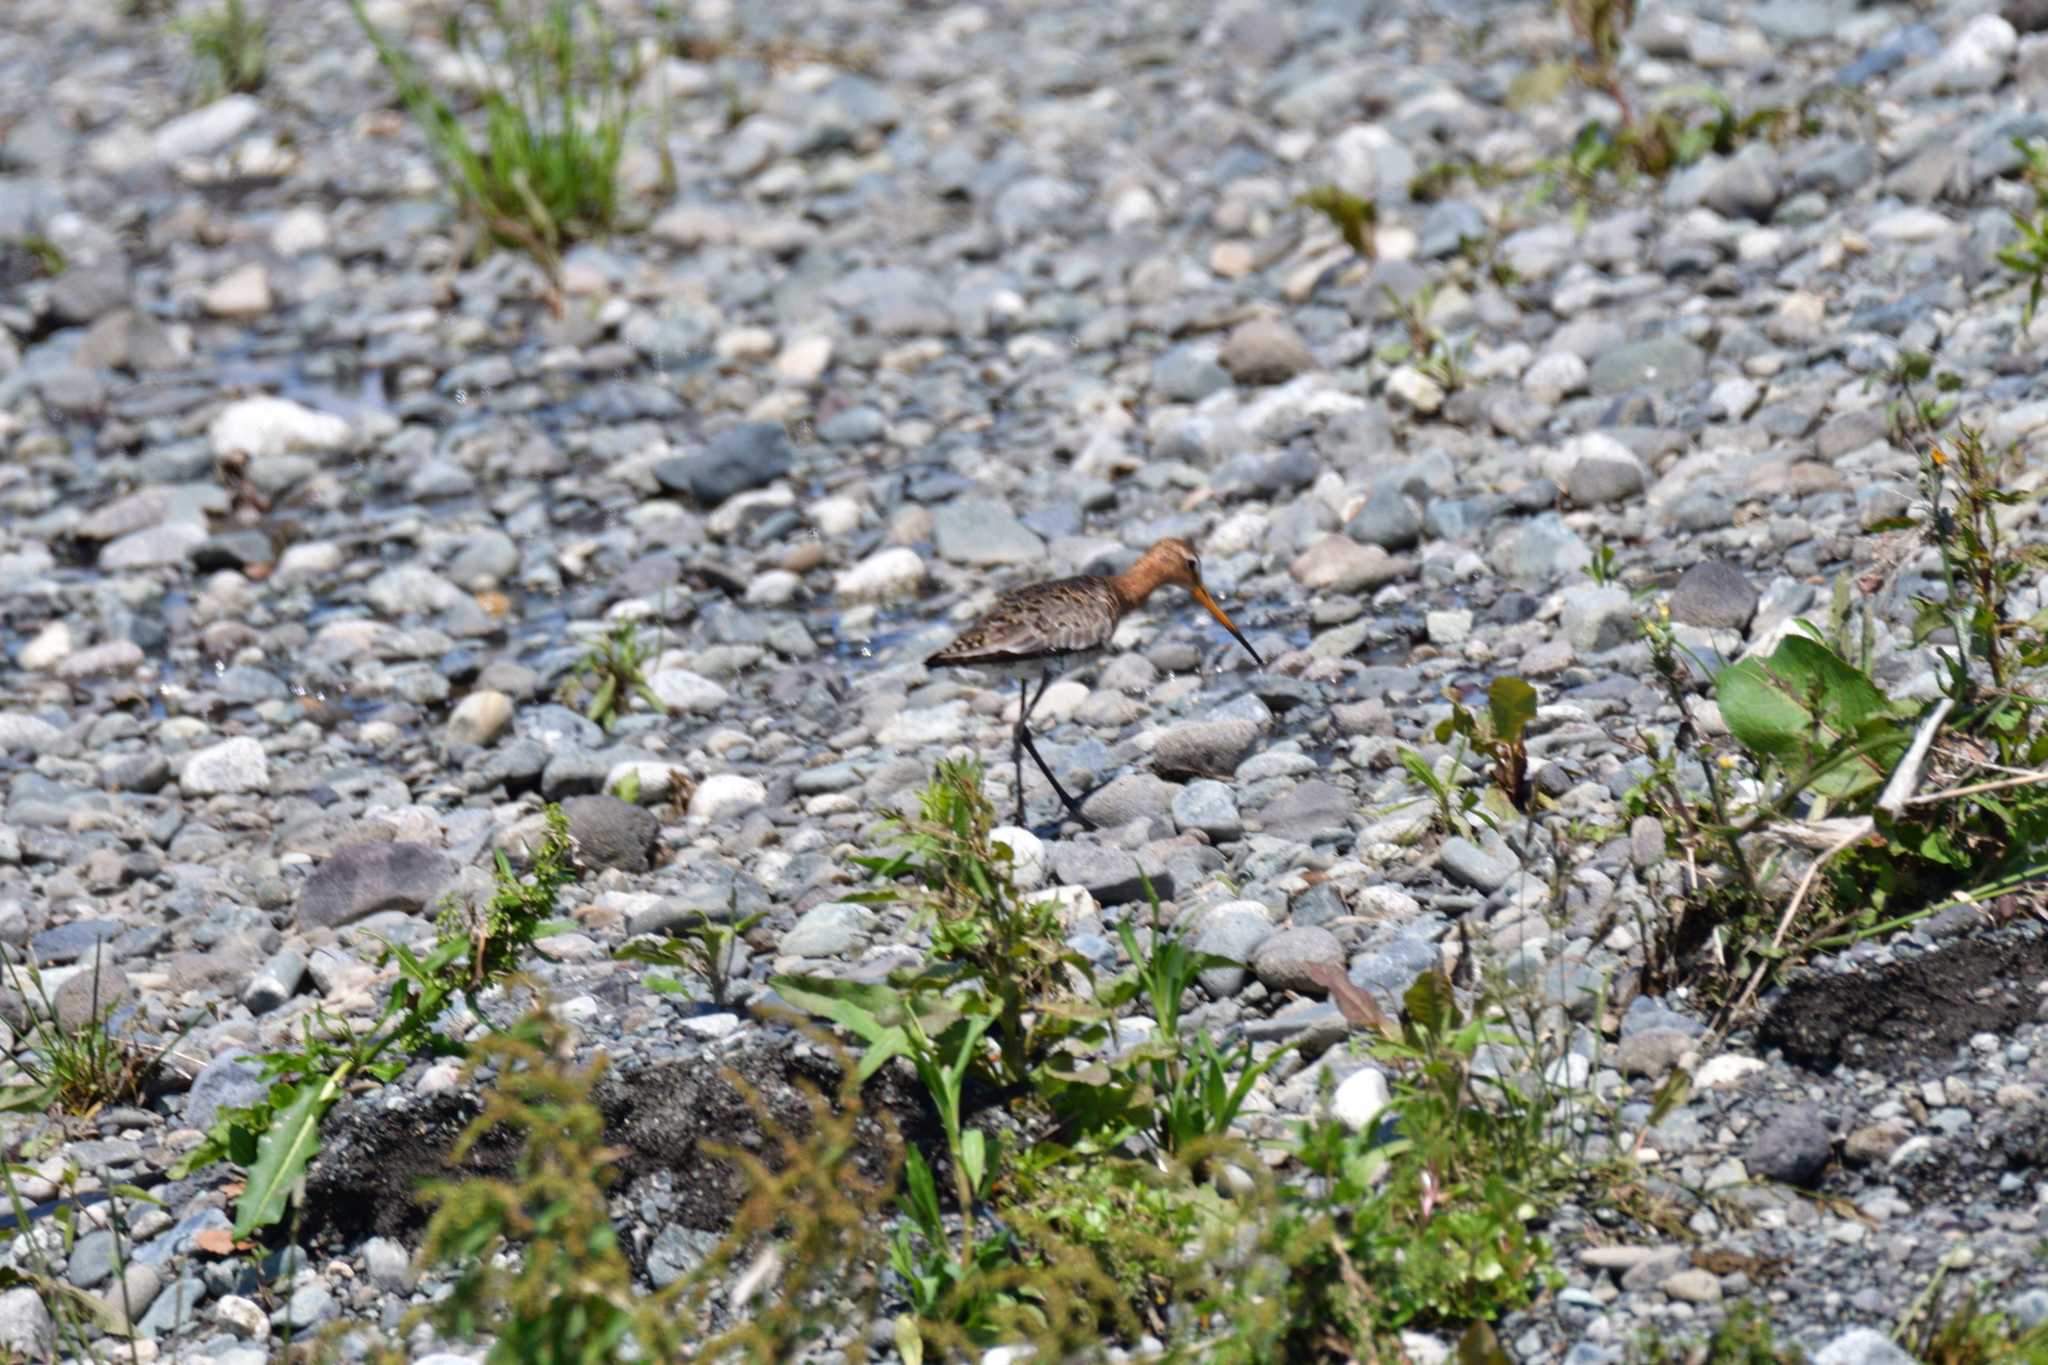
<point>305,518</point>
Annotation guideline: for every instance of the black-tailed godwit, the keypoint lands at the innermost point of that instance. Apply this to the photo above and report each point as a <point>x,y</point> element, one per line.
<point>1045,629</point>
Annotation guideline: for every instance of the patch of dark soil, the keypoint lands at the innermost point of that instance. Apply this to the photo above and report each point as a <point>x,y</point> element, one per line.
<point>663,1114</point>
<point>375,1156</point>
<point>1896,1019</point>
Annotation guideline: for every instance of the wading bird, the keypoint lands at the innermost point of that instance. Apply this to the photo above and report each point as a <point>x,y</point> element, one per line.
<point>1044,630</point>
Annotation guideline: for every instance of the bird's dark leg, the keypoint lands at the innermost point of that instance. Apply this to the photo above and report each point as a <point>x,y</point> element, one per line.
<point>1022,739</point>
<point>1017,747</point>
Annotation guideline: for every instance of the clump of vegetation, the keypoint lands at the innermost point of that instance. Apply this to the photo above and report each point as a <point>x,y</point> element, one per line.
<point>618,664</point>
<point>708,948</point>
<point>1498,737</point>
<point>1424,1218</point>
<point>2026,256</point>
<point>277,1137</point>
<point>542,170</point>
<point>1425,346</point>
<point>232,45</point>
<point>1818,757</point>
<point>1352,215</point>
<point>29,257</point>
<point>72,1069</point>
<point>1743,1337</point>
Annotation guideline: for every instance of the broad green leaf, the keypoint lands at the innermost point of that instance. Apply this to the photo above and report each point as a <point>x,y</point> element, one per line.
<point>1512,705</point>
<point>1804,701</point>
<point>282,1154</point>
<point>909,1344</point>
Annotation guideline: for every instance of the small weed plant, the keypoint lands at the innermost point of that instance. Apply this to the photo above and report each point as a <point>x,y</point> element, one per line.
<point>1424,1218</point>
<point>231,45</point>
<point>1354,216</point>
<point>708,948</point>
<point>1743,1337</point>
<point>540,1269</point>
<point>75,1070</point>
<point>614,672</point>
<point>542,169</point>
<point>2026,256</point>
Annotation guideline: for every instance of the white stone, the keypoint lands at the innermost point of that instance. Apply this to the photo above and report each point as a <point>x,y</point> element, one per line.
<point>917,726</point>
<point>804,360</point>
<point>208,129</point>
<point>650,779</point>
<point>1027,855</point>
<point>1912,226</point>
<point>723,796</point>
<point>1360,1099</point>
<point>1735,398</point>
<point>1554,377</point>
<point>52,643</point>
<point>746,345</point>
<point>27,1331</point>
<point>479,717</point>
<point>775,588</point>
<point>234,765</point>
<point>883,576</point>
<point>836,516</point>
<point>686,693</point>
<point>245,1318</point>
<point>308,559</point>
<point>1724,1071</point>
<point>243,292</point>
<point>259,427</point>
<point>300,230</point>
<point>1415,389</point>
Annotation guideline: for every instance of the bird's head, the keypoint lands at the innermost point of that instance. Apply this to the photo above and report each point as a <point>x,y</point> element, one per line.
<point>1173,560</point>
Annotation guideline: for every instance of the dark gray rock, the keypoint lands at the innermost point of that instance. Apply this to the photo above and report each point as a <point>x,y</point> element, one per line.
<point>1659,365</point>
<point>1793,1147</point>
<point>1716,595</point>
<point>1485,870</point>
<point>1133,796</point>
<point>1309,808</point>
<point>231,1080</point>
<point>1114,876</point>
<point>363,879</point>
<point>1389,520</point>
<point>739,458</point>
<point>612,833</point>
<point>1266,351</point>
<point>1204,748</point>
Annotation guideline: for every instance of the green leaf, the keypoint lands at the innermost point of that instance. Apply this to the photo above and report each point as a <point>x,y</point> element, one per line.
<point>974,1157</point>
<point>282,1154</point>
<point>1805,701</point>
<point>909,1344</point>
<point>1512,704</point>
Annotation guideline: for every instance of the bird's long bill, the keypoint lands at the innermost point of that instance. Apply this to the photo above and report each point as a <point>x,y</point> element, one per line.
<point>1202,595</point>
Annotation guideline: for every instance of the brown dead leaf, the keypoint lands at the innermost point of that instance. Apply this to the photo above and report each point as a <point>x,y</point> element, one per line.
<point>216,1241</point>
<point>1357,1006</point>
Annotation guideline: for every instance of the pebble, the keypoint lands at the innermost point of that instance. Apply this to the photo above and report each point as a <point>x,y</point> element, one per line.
<point>232,766</point>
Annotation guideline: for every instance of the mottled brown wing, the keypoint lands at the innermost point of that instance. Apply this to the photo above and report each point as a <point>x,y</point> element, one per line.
<point>1044,620</point>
